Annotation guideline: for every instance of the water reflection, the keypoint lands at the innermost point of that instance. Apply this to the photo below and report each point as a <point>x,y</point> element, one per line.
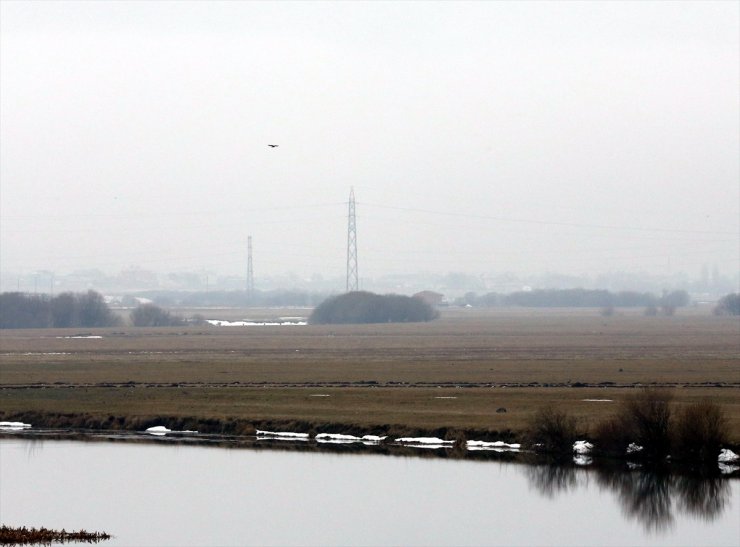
<point>552,479</point>
<point>651,497</point>
<point>705,498</point>
<point>645,496</point>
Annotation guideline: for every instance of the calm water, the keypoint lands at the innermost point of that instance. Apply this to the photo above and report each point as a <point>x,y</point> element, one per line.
<point>191,495</point>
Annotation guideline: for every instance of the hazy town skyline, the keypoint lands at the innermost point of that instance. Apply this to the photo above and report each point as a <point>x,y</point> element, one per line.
<point>578,138</point>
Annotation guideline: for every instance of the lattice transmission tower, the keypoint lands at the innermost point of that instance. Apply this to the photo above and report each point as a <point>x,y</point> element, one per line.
<point>250,271</point>
<point>353,283</point>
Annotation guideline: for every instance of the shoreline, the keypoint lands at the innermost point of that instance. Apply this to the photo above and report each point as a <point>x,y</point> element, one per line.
<point>454,445</point>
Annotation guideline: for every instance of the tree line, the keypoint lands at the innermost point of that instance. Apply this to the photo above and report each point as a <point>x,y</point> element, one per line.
<point>66,310</point>
<point>577,298</point>
<point>75,310</point>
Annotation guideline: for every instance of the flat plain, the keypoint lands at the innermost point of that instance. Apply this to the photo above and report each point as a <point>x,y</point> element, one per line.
<point>452,373</point>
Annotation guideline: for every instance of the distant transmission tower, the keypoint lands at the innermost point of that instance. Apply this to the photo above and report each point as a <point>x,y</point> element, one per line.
<point>250,271</point>
<point>352,277</point>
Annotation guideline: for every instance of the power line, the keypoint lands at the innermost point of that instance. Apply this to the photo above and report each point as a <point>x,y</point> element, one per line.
<point>546,222</point>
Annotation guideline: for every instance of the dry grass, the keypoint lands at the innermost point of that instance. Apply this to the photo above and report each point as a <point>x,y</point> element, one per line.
<point>216,372</point>
<point>414,408</point>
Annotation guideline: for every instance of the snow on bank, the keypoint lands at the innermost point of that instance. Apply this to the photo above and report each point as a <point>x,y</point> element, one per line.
<point>373,438</point>
<point>496,446</point>
<point>337,437</point>
<point>80,336</point>
<point>423,440</point>
<point>282,435</point>
<point>582,447</point>
<point>14,425</point>
<point>633,448</point>
<point>161,430</point>
<point>598,400</point>
<point>158,430</point>
<point>726,456</point>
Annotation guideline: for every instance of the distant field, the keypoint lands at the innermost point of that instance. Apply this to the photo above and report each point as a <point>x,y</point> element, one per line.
<point>376,374</point>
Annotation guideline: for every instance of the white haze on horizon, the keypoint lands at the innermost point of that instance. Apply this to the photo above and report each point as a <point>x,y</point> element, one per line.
<point>572,137</point>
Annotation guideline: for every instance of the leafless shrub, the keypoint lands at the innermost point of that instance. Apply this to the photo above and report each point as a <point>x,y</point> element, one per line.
<point>612,436</point>
<point>700,432</point>
<point>646,420</point>
<point>553,430</point>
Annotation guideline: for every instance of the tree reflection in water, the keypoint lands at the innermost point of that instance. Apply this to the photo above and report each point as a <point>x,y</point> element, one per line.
<point>552,479</point>
<point>649,496</point>
<point>705,498</point>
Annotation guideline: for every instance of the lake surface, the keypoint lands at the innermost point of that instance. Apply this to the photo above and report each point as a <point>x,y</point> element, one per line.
<point>147,494</point>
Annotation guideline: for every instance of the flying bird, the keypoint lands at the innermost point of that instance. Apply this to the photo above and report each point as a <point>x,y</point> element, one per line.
<point>273,145</point>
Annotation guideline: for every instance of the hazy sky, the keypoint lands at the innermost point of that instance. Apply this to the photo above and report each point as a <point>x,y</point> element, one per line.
<point>572,137</point>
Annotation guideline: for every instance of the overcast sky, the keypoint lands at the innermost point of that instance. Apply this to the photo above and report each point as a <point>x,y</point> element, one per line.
<point>568,137</point>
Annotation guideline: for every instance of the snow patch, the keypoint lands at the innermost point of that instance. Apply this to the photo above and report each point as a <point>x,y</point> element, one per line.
<point>495,445</point>
<point>726,456</point>
<point>373,438</point>
<point>582,447</point>
<point>598,400</point>
<point>282,435</point>
<point>423,440</point>
<point>337,437</point>
<point>80,336</point>
<point>445,397</point>
<point>158,430</point>
<point>319,395</point>
<point>632,448</point>
<point>14,425</point>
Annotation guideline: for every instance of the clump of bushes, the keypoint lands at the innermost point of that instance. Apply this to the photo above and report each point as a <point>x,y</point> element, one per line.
<point>728,305</point>
<point>151,315</point>
<point>647,420</point>
<point>694,433</point>
<point>367,307</point>
<point>553,431</point>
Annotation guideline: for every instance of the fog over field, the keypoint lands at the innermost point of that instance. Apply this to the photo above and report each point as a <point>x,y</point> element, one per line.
<point>577,138</point>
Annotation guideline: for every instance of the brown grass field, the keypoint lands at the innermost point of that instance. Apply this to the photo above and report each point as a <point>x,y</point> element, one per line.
<point>452,373</point>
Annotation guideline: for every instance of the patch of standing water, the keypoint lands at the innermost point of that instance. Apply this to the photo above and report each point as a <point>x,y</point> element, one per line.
<point>221,323</point>
<point>196,495</point>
